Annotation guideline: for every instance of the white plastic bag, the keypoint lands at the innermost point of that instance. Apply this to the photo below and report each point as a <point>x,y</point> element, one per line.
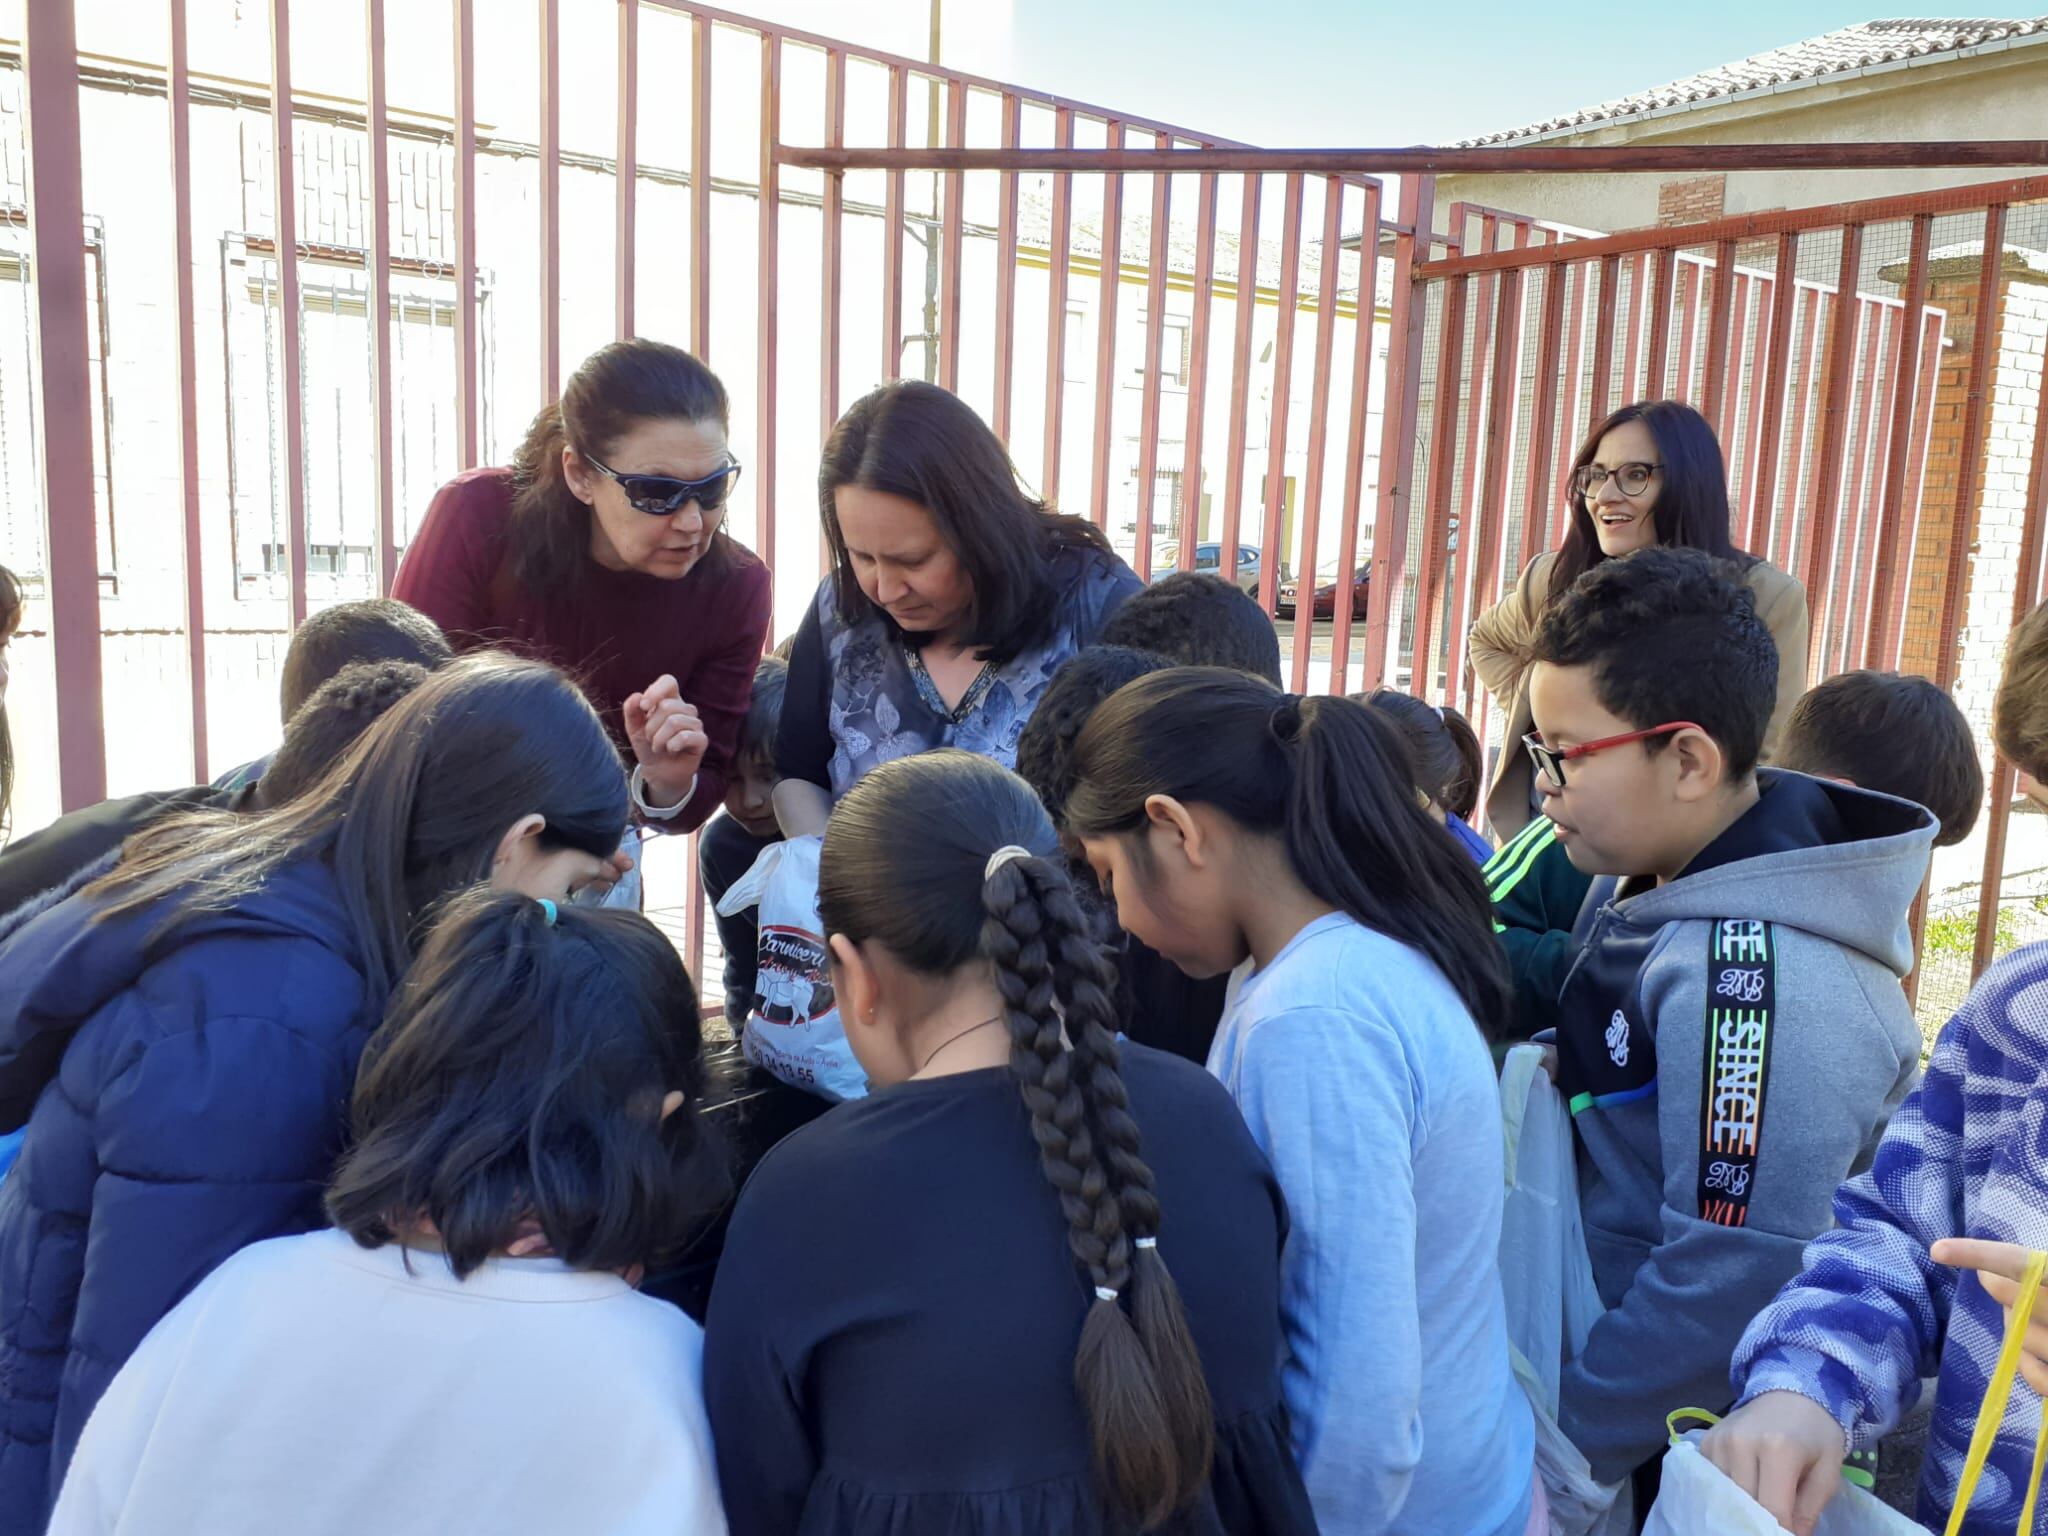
<point>1696,1498</point>
<point>1547,1283</point>
<point>793,1025</point>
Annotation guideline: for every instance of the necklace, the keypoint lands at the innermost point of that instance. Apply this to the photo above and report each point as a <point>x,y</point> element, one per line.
<point>956,1039</point>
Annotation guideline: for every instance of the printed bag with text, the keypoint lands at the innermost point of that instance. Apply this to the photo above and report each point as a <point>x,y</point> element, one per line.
<point>793,1025</point>
<point>1696,1499</point>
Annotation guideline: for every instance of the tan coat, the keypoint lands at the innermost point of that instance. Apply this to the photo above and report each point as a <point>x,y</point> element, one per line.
<point>1499,650</point>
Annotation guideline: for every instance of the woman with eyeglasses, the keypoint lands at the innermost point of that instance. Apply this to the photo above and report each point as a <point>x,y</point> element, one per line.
<point>601,549</point>
<point>1651,473</point>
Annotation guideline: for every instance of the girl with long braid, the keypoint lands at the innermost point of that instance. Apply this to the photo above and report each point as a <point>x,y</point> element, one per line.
<point>1228,821</point>
<point>1031,1283</point>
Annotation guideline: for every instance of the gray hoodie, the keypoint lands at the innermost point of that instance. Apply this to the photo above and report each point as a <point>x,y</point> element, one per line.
<point>1701,1185</point>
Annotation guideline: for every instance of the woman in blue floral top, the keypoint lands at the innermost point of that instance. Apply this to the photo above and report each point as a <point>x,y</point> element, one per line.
<point>953,599</point>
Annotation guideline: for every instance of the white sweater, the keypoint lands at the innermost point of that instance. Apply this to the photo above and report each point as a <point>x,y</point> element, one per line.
<point>312,1386</point>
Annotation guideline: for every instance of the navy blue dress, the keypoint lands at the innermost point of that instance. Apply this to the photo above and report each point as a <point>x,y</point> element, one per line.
<point>890,1346</point>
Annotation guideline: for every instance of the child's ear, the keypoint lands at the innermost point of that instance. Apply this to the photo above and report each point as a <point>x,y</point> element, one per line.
<point>522,831</point>
<point>1702,766</point>
<point>853,981</point>
<point>1168,818</point>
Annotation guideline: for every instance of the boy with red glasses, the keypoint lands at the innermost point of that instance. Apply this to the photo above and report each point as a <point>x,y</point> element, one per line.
<point>1733,1034</point>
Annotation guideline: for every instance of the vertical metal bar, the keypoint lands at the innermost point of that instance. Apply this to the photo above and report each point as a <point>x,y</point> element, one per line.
<point>1240,377</point>
<point>1811,334</point>
<point>1436,524</point>
<point>768,296</point>
<point>1691,274</point>
<point>892,253</point>
<point>1864,618</point>
<point>1363,347</point>
<point>1540,493</point>
<point>1190,532</point>
<point>1482,546</point>
<point>700,187</point>
<point>1006,273</point>
<point>2027,592</point>
<point>381,397</point>
<point>1272,551</point>
<point>1573,421</point>
<point>1603,339</point>
<point>1976,426</point>
<point>1319,432</point>
<point>952,230</point>
<point>1764,496</point>
<point>1825,499</point>
<point>1461,575</point>
<point>1762,289</point>
<point>1061,259</point>
<point>1719,390</point>
<point>285,188</point>
<point>1894,560</point>
<point>1935,323</point>
<point>693,908</point>
<point>1844,579</point>
<point>1112,273</point>
<point>188,390</point>
<point>56,216</point>
<point>628,174</point>
<point>550,188</point>
<point>465,234</point>
<point>832,258</point>
<point>1398,424</point>
<point>1632,342</point>
<point>1155,332</point>
<point>1663,273</point>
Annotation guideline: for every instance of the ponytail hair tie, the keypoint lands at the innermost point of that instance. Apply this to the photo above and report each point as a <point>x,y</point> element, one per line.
<point>548,910</point>
<point>1285,721</point>
<point>1002,856</point>
<point>1104,1293</point>
<point>1146,1242</point>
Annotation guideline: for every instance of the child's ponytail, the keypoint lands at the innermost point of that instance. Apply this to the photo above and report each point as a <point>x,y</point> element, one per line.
<point>1138,1374</point>
<point>1359,838</point>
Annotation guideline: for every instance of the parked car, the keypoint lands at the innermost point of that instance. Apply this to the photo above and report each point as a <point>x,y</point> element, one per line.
<point>1209,559</point>
<point>1325,601</point>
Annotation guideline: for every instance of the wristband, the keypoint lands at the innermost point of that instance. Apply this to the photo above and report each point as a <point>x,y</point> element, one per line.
<point>637,787</point>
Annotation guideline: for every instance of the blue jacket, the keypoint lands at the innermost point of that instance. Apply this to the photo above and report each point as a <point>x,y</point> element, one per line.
<point>1870,1314</point>
<point>183,1098</point>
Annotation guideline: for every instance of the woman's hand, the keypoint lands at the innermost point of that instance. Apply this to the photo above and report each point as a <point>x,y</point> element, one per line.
<point>1785,1451</point>
<point>668,740</point>
<point>2001,1267</point>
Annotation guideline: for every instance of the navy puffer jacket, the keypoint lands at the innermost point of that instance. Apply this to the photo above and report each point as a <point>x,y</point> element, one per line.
<point>182,1100</point>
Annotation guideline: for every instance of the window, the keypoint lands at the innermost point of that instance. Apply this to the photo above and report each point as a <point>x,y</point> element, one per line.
<point>1176,340</point>
<point>337,413</point>
<point>22,528</point>
<point>1078,364</point>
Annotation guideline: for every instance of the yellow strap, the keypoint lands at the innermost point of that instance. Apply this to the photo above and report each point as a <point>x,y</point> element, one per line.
<point>1992,1413</point>
<point>1671,1420</point>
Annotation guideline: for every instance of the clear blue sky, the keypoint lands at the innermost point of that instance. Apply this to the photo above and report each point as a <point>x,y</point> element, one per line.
<point>1314,73</point>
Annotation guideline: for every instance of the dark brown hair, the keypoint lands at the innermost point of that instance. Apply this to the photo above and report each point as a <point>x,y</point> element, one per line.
<point>1894,733</point>
<point>411,813</point>
<point>329,722</point>
<point>1329,778</point>
<point>925,444</point>
<point>1691,511</point>
<point>373,629</point>
<point>518,1076</point>
<point>1442,745</point>
<point>2019,714</point>
<point>923,828</point>
<point>618,387</point>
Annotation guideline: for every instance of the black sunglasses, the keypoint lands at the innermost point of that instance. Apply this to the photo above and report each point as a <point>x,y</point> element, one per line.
<point>664,495</point>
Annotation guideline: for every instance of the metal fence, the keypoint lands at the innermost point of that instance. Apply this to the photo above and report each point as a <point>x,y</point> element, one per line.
<point>1194,342</point>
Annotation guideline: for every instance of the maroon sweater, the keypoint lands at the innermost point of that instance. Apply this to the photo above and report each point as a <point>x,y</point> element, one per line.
<point>615,632</point>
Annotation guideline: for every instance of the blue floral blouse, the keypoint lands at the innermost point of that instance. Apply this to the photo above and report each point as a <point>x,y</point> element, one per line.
<point>859,697</point>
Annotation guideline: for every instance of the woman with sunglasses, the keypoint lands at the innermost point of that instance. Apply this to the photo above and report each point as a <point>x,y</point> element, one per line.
<point>601,549</point>
<point>1651,473</point>
<point>954,597</point>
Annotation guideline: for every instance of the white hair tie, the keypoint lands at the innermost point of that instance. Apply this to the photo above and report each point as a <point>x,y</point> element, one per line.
<point>1001,857</point>
<point>1104,1293</point>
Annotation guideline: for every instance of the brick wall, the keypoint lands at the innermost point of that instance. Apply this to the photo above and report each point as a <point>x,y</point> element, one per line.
<point>1691,201</point>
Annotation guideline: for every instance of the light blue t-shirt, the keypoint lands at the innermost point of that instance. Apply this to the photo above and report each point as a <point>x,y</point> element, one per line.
<point>1367,1084</point>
